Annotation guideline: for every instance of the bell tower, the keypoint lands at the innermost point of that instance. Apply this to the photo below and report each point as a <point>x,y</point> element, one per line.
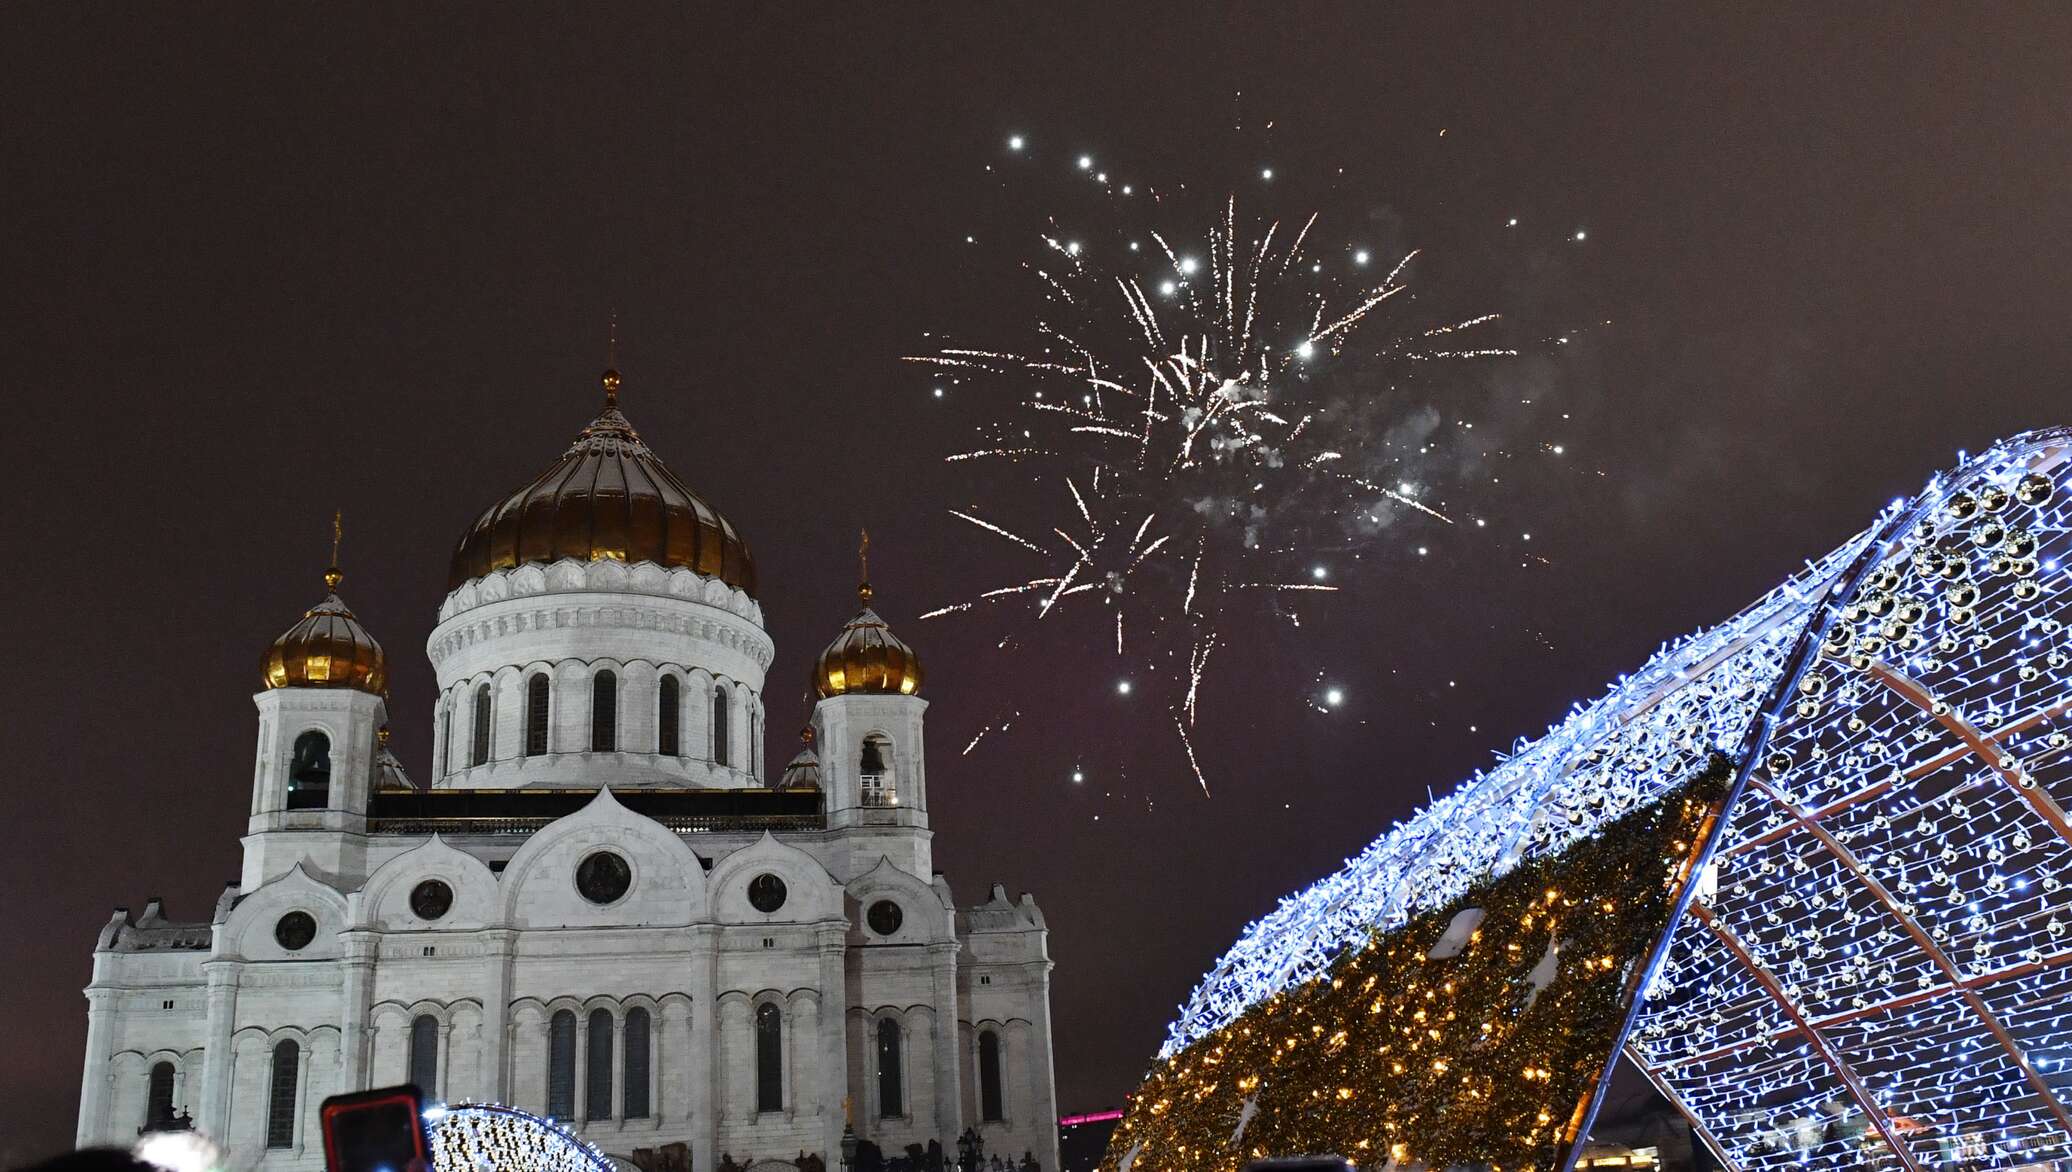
<point>873,766</point>
<point>322,705</point>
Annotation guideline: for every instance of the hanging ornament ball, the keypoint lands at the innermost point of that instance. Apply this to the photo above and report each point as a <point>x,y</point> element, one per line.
<point>1987,533</point>
<point>2027,589</point>
<point>2020,543</point>
<point>1992,499</point>
<point>1962,505</point>
<point>2033,489</point>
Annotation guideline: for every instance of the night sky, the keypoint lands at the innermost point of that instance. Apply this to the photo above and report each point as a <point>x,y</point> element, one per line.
<point>260,263</point>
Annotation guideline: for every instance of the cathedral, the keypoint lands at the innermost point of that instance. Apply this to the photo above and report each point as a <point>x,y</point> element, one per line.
<point>602,908</point>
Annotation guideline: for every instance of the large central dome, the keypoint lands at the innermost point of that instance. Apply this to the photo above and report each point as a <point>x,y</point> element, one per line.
<point>607,497</point>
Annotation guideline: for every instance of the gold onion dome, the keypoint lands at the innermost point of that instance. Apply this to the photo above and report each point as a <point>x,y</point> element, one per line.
<point>607,497</point>
<point>327,649</point>
<point>867,657</point>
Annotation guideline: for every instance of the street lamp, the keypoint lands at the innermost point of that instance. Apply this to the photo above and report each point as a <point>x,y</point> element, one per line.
<point>970,1149</point>
<point>848,1146</point>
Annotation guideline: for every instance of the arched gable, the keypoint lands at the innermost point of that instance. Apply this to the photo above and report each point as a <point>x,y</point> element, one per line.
<point>249,929</point>
<point>811,894</point>
<point>925,916</point>
<point>668,885</point>
<point>384,902</point>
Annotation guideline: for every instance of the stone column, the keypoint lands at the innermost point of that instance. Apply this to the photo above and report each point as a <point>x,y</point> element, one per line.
<point>495,1065</point>
<point>834,1050</point>
<point>1044,1070</point>
<point>949,1099</point>
<point>701,1062</point>
<point>673,1062</point>
<point>93,1082</point>
<point>360,950</point>
<point>582,1072</point>
<point>216,1058</point>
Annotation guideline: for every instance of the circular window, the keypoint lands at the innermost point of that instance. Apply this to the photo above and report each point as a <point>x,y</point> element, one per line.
<point>431,899</point>
<point>884,917</point>
<point>766,893</point>
<point>603,876</point>
<point>294,931</point>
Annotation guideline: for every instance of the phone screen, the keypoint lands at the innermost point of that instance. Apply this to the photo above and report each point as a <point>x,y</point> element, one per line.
<point>375,1131</point>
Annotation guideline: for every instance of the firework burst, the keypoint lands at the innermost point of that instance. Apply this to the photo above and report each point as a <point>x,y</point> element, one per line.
<point>1207,419</point>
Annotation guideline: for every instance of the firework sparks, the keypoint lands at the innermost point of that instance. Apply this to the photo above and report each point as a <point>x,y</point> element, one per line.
<point>1217,409</point>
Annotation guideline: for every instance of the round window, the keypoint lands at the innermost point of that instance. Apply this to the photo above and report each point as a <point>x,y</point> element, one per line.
<point>294,931</point>
<point>603,876</point>
<point>431,899</point>
<point>766,893</point>
<point>884,917</point>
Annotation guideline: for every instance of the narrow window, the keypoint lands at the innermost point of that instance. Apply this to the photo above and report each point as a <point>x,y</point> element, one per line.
<point>891,1096</point>
<point>769,1058</point>
<point>158,1098</point>
<point>604,713</point>
<point>755,743</point>
<point>561,1066</point>
<point>597,1080</point>
<point>720,735</point>
<point>536,715</point>
<point>989,1077</point>
<point>309,772</point>
<point>280,1096</point>
<point>482,705</point>
<point>636,1064</point>
<point>424,1054</point>
<point>668,741</point>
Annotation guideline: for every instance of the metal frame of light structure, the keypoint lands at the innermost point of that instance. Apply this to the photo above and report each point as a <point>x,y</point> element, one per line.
<point>1854,697</point>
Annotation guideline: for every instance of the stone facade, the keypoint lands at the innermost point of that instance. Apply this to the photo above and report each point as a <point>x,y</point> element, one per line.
<point>758,967</point>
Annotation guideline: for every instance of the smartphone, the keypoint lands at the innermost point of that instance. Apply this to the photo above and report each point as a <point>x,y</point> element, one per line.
<point>376,1131</point>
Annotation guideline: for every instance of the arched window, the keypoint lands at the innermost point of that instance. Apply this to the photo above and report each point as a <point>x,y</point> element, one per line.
<point>480,756</point>
<point>604,713</point>
<point>989,1077</point>
<point>424,1054</point>
<point>597,1079</point>
<point>720,722</point>
<point>891,1095</point>
<point>561,1065</point>
<point>280,1096</point>
<point>158,1098</point>
<point>636,1064</point>
<point>769,1058</point>
<point>309,772</point>
<point>536,714</point>
<point>668,718</point>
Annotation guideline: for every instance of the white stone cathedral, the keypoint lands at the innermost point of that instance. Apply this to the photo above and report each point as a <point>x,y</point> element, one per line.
<point>602,908</point>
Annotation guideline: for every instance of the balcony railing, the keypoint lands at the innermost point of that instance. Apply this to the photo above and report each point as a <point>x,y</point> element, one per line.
<point>877,791</point>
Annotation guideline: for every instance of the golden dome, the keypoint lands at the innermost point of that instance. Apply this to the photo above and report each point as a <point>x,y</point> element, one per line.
<point>327,649</point>
<point>607,497</point>
<point>867,657</point>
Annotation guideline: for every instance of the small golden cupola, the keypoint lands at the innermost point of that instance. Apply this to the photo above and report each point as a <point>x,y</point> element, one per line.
<point>867,658</point>
<point>328,648</point>
<point>804,770</point>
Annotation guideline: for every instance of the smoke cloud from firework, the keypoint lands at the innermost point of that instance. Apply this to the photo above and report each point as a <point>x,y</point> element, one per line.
<point>1209,412</point>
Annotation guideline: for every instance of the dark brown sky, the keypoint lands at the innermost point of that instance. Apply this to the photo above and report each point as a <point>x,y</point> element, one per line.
<point>259,262</point>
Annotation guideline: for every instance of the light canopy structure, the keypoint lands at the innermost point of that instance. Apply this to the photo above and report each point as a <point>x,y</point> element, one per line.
<point>478,1137</point>
<point>1873,968</point>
